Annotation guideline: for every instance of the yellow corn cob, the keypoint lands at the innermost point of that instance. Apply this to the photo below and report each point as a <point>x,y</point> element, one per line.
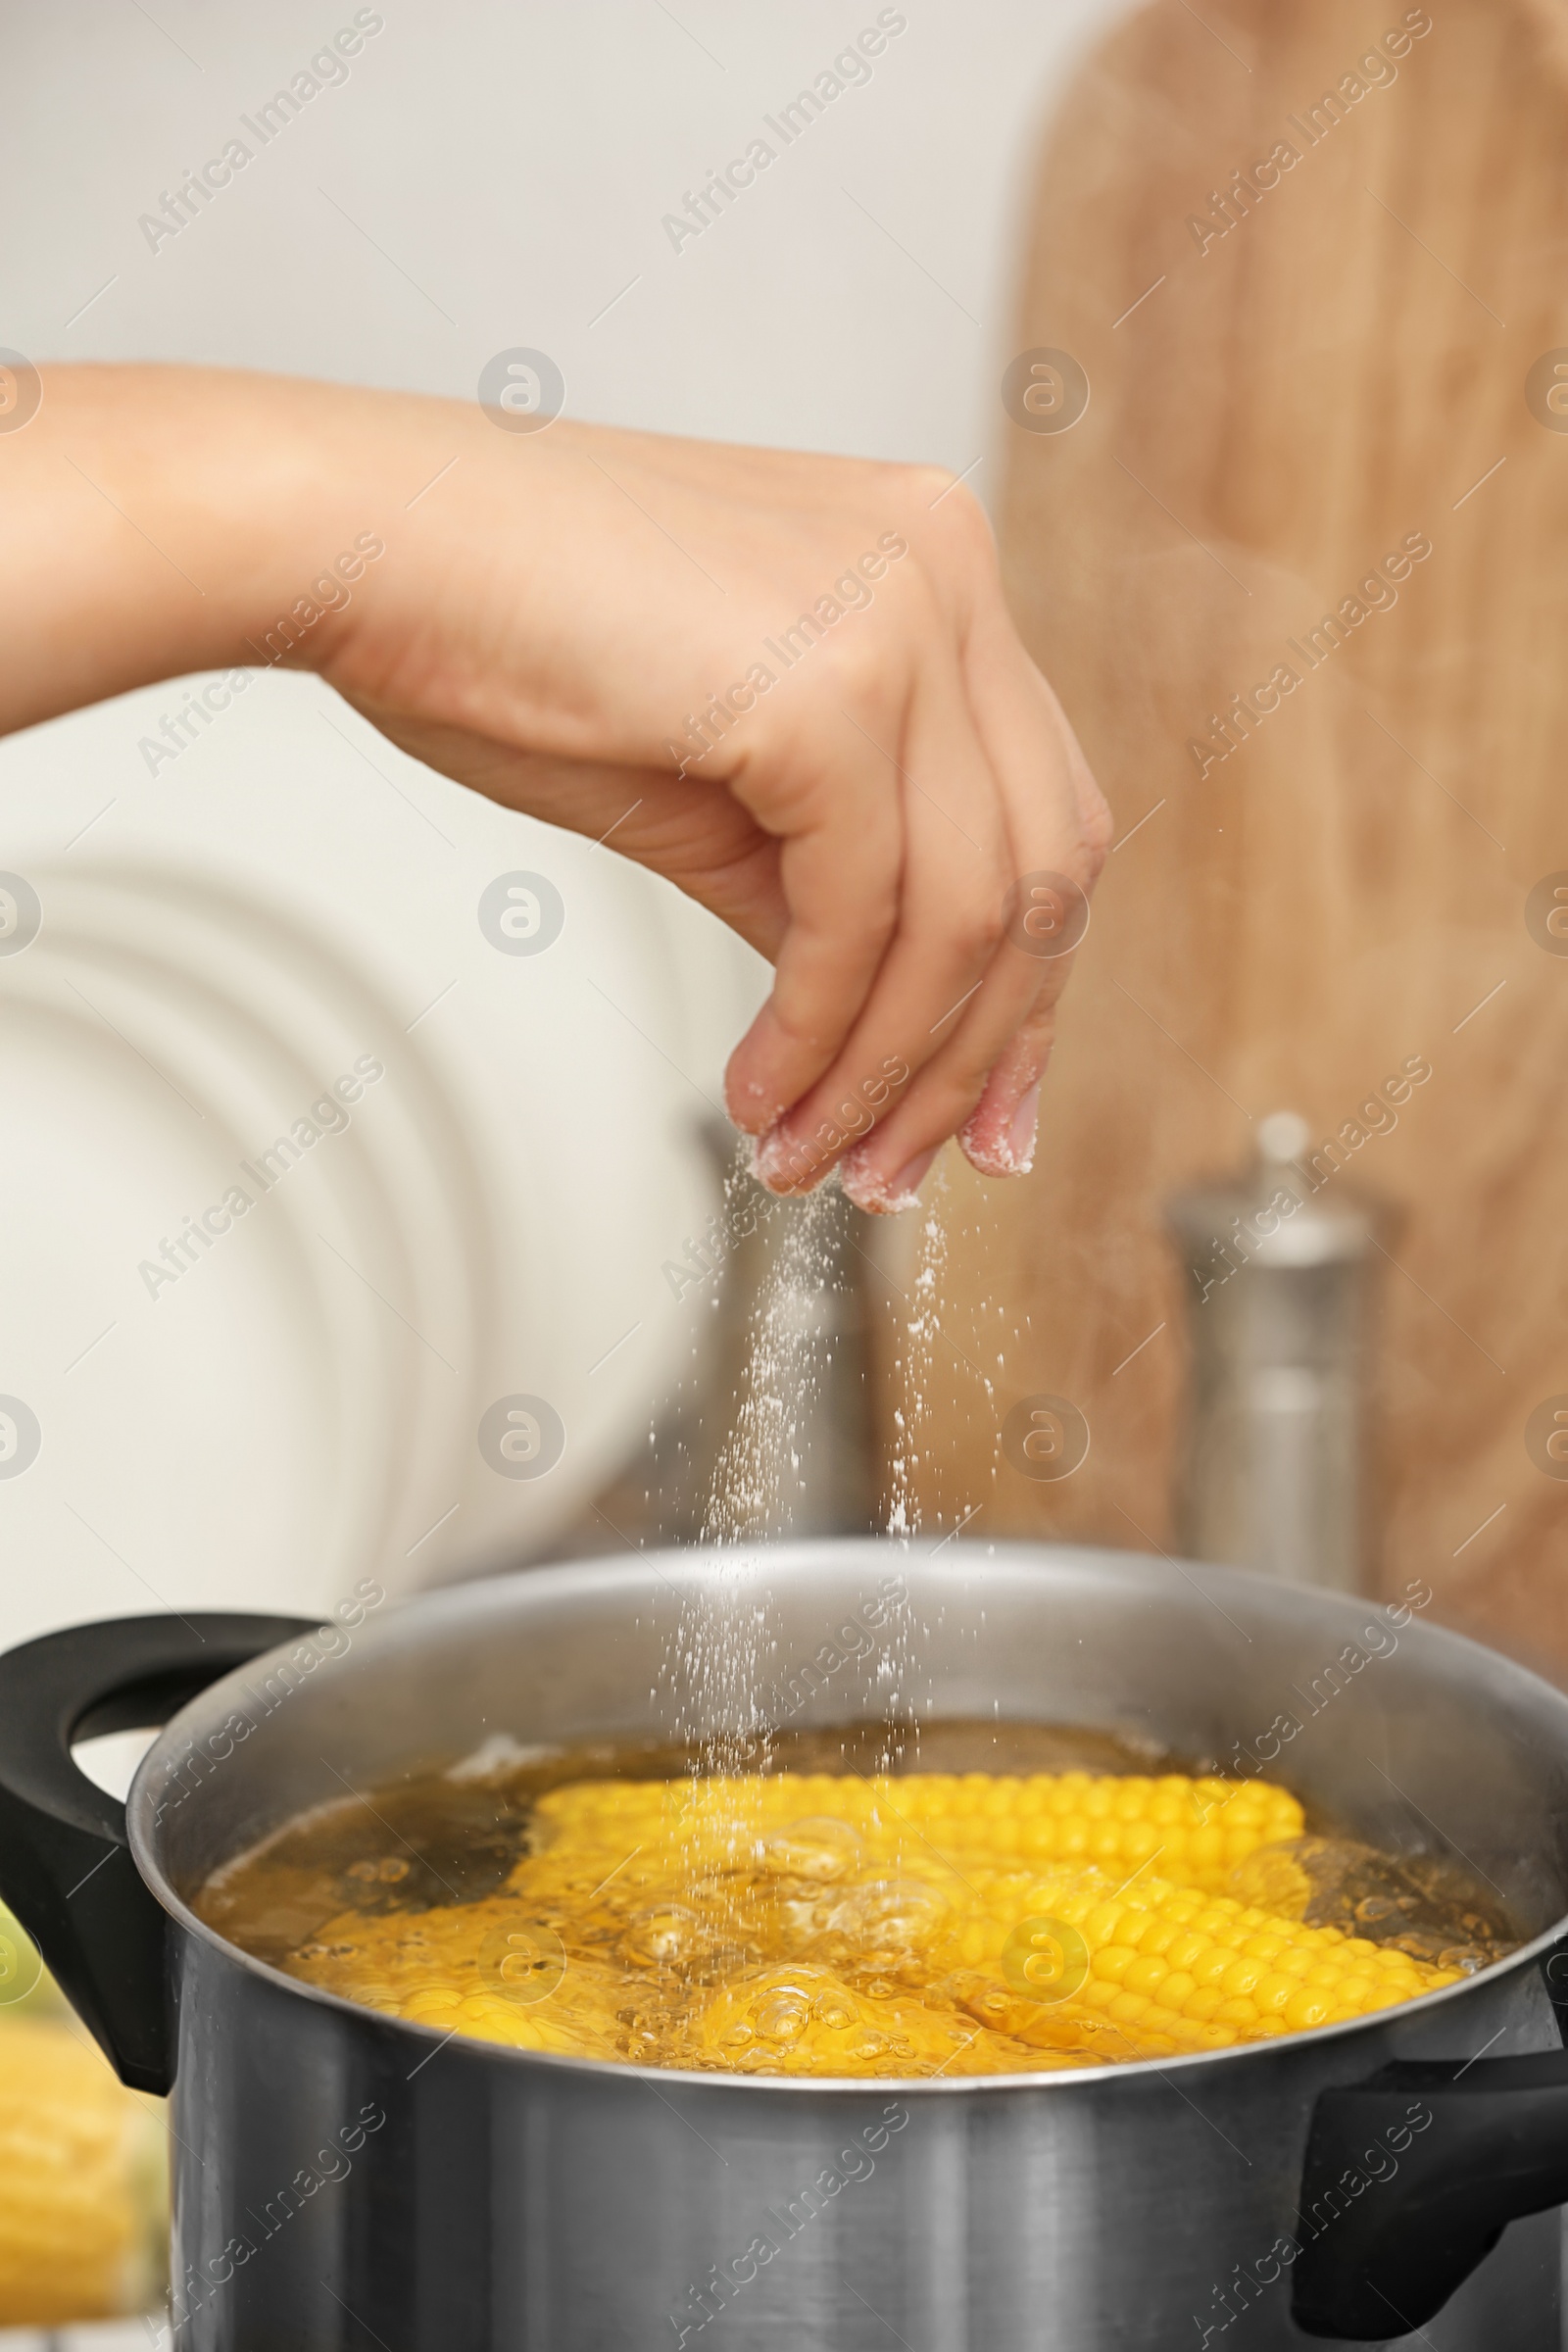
<point>1166,1968</point>
<point>83,2183</point>
<point>1197,1829</point>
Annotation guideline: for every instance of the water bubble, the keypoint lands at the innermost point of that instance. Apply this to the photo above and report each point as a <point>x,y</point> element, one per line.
<point>1467,1958</point>
<point>819,1847</point>
<point>834,2009</point>
<point>784,2015</point>
<point>890,1914</point>
<point>670,1935</point>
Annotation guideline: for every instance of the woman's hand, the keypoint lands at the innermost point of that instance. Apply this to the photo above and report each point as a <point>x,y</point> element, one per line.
<point>788,683</point>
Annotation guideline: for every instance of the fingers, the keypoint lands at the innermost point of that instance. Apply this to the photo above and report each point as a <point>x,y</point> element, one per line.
<point>840,877</point>
<point>997,1138</point>
<point>988,1096</point>
<point>985,1087</point>
<point>984,1083</point>
<point>841,864</point>
<point>951,904</point>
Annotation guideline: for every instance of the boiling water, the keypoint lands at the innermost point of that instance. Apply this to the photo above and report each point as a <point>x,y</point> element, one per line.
<point>821,1916</point>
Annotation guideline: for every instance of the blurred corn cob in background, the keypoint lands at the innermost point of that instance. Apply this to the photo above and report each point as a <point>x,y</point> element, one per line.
<point>83,2164</point>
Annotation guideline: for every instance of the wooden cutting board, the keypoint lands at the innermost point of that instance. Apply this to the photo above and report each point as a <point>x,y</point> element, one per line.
<point>1305,900</point>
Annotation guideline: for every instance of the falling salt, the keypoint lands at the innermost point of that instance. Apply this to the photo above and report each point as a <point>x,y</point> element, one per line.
<point>723,1632</point>
<point>916,1363</point>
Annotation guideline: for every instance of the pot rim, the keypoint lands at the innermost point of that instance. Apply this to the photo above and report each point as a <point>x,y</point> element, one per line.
<point>702,1565</point>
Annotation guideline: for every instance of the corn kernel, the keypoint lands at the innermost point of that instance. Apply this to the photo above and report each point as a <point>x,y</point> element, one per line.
<point>1113,1961</point>
<point>1211,1963</point>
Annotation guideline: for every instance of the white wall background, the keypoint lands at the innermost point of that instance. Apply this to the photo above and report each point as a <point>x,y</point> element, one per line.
<point>495,173</point>
<point>302,1407</point>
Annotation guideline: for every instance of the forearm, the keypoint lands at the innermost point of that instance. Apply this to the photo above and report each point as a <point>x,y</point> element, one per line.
<point>159,521</point>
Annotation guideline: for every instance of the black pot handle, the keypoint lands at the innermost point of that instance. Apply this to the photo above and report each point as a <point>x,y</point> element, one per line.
<point>65,1856</point>
<point>1411,2178</point>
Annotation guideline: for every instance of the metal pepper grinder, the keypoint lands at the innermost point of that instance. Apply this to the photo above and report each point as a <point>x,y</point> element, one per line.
<point>1280,1267</point>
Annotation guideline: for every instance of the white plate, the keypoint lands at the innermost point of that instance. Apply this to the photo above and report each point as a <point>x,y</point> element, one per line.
<point>287,916</point>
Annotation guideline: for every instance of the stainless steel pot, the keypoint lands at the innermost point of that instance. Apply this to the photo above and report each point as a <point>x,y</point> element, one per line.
<point>344,2179</point>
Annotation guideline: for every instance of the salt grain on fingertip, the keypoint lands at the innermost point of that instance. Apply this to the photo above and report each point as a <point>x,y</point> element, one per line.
<point>869,1192</point>
<point>996,1158</point>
